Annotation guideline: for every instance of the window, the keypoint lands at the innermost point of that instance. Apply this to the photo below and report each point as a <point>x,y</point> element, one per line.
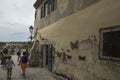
<point>110,43</point>
<point>46,8</point>
<point>49,6</point>
<point>53,4</point>
<point>42,12</point>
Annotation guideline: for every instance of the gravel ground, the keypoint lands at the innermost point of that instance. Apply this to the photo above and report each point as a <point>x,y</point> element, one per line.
<point>31,73</point>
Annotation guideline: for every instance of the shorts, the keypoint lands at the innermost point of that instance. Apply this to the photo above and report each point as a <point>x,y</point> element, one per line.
<point>23,65</point>
<point>9,69</point>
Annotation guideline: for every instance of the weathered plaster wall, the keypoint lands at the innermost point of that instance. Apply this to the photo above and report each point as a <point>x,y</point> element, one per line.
<point>84,26</point>
<point>64,8</point>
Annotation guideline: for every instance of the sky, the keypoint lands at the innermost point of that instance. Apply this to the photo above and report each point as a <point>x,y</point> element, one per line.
<point>15,18</point>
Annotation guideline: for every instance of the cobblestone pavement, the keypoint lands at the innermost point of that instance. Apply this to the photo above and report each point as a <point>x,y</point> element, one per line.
<point>31,73</point>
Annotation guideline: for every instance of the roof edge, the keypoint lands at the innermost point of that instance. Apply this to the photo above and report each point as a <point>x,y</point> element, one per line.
<point>37,3</point>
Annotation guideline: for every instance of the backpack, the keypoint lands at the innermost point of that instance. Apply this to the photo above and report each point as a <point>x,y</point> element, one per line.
<point>24,59</point>
<point>9,63</point>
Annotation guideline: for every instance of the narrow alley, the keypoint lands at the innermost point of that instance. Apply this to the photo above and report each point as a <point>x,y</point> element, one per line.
<point>31,73</point>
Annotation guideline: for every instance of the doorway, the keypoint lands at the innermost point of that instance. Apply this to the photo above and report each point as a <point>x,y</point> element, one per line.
<point>47,56</point>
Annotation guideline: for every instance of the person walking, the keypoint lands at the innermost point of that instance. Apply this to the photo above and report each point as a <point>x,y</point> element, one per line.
<point>4,54</point>
<point>9,66</point>
<point>23,62</point>
<point>3,60</point>
<point>18,54</point>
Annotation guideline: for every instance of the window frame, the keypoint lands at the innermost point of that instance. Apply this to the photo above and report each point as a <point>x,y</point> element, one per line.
<point>48,7</point>
<point>42,12</point>
<point>102,31</point>
<point>53,5</point>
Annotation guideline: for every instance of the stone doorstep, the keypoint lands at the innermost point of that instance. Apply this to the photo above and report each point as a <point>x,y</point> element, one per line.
<point>61,76</point>
<point>58,77</point>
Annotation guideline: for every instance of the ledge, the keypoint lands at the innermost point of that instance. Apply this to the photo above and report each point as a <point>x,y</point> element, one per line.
<point>37,3</point>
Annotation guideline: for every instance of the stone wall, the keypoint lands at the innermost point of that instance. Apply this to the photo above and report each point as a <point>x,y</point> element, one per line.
<point>34,55</point>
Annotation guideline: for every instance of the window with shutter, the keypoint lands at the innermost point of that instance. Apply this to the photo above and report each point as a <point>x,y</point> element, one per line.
<point>110,43</point>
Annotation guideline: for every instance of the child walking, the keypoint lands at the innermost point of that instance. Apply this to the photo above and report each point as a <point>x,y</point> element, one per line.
<point>23,62</point>
<point>9,66</point>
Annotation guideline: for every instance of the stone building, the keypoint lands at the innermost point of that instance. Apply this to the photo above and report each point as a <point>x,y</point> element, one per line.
<point>78,39</point>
